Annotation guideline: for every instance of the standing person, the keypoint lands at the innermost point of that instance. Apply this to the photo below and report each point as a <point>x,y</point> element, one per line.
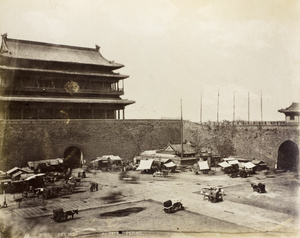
<point>92,187</point>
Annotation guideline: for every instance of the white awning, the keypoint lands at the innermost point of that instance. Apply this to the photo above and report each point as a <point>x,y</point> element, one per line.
<point>228,159</point>
<point>106,157</point>
<point>12,170</point>
<point>224,165</point>
<point>233,162</point>
<point>148,152</point>
<point>170,165</point>
<point>34,176</point>
<point>17,174</point>
<point>249,165</point>
<point>145,164</point>
<point>203,165</point>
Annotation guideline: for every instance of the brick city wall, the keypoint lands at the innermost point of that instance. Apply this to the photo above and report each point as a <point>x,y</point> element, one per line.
<point>24,141</point>
<point>248,140</point>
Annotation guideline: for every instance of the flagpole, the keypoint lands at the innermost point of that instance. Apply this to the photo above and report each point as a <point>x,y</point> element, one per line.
<point>261,106</point>
<point>248,107</point>
<point>233,116</point>
<point>201,108</point>
<point>218,108</point>
<point>181,130</point>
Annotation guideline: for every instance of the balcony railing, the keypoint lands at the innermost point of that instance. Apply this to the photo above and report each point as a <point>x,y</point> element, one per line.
<point>119,91</point>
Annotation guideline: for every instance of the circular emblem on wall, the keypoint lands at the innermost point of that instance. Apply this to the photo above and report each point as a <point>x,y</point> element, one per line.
<point>71,87</point>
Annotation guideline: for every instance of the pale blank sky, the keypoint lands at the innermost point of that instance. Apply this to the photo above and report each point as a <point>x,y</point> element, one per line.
<point>175,50</point>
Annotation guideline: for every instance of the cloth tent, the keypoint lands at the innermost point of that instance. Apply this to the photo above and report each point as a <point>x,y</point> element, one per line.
<point>148,152</point>
<point>233,162</point>
<point>257,162</point>
<point>17,174</point>
<point>145,164</point>
<point>112,157</point>
<point>48,162</point>
<point>170,165</point>
<point>249,165</point>
<point>236,158</point>
<point>229,159</point>
<point>203,165</point>
<point>224,164</point>
<point>13,170</point>
<point>34,176</point>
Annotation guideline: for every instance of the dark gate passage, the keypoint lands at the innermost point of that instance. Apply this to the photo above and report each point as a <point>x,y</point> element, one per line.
<point>73,157</point>
<point>288,156</point>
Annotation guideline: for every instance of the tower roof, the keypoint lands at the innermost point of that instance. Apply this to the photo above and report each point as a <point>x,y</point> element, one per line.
<point>294,108</point>
<point>31,50</point>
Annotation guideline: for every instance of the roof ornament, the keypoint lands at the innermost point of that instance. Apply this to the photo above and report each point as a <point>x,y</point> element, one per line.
<point>4,47</point>
<point>97,47</point>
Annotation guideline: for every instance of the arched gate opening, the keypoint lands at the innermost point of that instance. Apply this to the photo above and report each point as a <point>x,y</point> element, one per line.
<point>73,157</point>
<point>288,156</point>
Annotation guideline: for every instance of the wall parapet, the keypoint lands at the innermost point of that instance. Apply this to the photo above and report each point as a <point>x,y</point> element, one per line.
<point>85,121</point>
<point>250,123</point>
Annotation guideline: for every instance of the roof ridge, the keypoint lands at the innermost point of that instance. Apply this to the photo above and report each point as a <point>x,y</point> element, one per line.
<point>96,49</point>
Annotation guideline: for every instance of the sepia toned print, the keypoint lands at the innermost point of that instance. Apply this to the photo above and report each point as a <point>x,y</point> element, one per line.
<point>149,118</point>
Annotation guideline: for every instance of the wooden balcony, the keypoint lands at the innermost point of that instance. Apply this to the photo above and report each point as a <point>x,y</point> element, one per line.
<point>81,91</point>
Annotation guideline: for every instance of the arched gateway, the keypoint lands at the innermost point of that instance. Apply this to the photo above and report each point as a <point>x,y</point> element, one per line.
<point>288,156</point>
<point>73,157</point>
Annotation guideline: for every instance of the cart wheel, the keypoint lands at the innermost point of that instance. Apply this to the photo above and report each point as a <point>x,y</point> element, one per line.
<point>258,190</point>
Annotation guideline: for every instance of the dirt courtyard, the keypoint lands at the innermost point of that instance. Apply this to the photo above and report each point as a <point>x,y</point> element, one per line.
<point>138,209</point>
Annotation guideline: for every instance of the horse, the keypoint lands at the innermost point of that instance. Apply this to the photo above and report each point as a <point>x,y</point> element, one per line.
<point>71,213</point>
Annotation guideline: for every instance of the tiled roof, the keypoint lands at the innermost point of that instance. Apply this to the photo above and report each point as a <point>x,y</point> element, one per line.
<point>31,50</point>
<point>295,107</point>
<point>74,72</point>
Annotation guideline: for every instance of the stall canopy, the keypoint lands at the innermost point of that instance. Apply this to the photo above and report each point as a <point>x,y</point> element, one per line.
<point>170,165</point>
<point>48,162</point>
<point>229,159</point>
<point>224,165</point>
<point>145,164</point>
<point>148,152</point>
<point>203,165</point>
<point>236,158</point>
<point>233,162</point>
<point>17,174</point>
<point>34,176</point>
<point>106,157</point>
<point>257,162</point>
<point>112,157</point>
<point>249,165</point>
